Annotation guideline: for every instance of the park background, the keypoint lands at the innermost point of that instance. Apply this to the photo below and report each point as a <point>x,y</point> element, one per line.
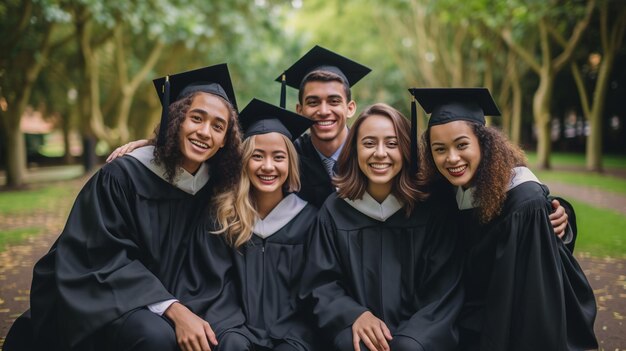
<point>75,82</point>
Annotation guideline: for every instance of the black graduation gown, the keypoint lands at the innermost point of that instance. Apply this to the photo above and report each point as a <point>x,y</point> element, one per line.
<point>269,272</point>
<point>524,289</point>
<point>124,246</point>
<point>406,271</point>
<point>316,183</point>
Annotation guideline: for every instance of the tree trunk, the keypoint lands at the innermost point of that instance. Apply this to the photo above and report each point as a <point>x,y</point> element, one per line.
<point>89,89</point>
<point>541,112</point>
<point>90,159</point>
<point>15,153</point>
<point>129,88</point>
<point>593,153</point>
<point>516,109</point>
<point>65,128</point>
<point>612,41</point>
<point>594,140</point>
<point>16,148</point>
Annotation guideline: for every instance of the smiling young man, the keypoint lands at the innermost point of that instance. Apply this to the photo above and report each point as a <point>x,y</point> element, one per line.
<point>323,79</point>
<point>116,277</point>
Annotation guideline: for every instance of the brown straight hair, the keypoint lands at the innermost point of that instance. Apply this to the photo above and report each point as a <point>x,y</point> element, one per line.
<point>351,182</point>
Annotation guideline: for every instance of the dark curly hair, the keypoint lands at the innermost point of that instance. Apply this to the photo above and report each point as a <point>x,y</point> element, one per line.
<point>498,158</point>
<point>225,165</point>
<point>351,182</point>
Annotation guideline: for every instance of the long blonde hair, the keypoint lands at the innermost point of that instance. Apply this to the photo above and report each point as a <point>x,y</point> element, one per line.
<point>235,209</point>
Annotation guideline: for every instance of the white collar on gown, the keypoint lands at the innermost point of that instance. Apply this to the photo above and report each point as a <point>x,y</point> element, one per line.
<point>465,197</point>
<point>185,181</point>
<point>279,216</point>
<point>373,209</point>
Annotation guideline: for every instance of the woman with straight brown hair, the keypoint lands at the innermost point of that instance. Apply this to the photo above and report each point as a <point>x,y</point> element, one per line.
<point>382,271</point>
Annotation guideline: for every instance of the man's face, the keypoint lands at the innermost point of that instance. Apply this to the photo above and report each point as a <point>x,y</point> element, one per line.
<point>203,131</point>
<point>326,103</point>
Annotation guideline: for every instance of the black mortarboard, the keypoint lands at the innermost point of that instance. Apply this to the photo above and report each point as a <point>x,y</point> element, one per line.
<point>260,117</point>
<point>453,104</point>
<point>212,79</point>
<point>321,59</point>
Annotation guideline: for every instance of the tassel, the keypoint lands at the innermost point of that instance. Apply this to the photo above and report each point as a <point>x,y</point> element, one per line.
<point>283,91</point>
<point>413,136</point>
<point>165,103</point>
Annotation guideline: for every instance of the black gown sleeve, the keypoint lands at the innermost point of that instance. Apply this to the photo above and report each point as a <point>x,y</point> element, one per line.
<point>440,289</point>
<point>98,269</point>
<point>538,296</point>
<point>323,291</point>
<point>208,286</point>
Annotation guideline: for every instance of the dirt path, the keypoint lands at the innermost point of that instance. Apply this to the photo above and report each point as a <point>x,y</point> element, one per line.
<point>590,195</point>
<point>17,261</point>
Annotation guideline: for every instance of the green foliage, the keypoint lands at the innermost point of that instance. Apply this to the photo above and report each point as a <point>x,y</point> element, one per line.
<point>24,26</point>
<point>600,231</point>
<point>259,39</point>
<point>358,30</point>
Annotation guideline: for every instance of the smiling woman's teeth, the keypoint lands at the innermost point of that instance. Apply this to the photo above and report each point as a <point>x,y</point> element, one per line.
<point>268,177</point>
<point>379,165</point>
<point>199,144</point>
<point>457,169</point>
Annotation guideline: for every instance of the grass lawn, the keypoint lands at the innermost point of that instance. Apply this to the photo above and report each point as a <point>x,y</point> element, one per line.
<point>16,235</point>
<point>604,182</point>
<point>31,203</point>
<point>578,159</point>
<point>21,201</point>
<point>600,232</point>
<point>600,181</point>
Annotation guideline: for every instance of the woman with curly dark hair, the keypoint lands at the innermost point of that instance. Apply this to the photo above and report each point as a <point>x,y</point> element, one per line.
<point>382,270</point>
<point>524,289</point>
<point>116,279</point>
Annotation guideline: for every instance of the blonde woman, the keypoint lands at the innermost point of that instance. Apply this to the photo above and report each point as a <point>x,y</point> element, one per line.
<point>267,225</point>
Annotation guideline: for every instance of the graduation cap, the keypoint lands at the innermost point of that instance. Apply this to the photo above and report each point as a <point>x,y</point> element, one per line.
<point>320,59</point>
<point>260,117</point>
<point>450,104</point>
<point>212,79</point>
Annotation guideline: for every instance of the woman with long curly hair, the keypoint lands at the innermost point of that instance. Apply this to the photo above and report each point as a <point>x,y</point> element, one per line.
<point>114,278</point>
<point>267,224</point>
<point>382,270</point>
<point>524,289</point>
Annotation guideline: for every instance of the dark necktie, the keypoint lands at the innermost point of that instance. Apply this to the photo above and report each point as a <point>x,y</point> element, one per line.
<point>329,164</point>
